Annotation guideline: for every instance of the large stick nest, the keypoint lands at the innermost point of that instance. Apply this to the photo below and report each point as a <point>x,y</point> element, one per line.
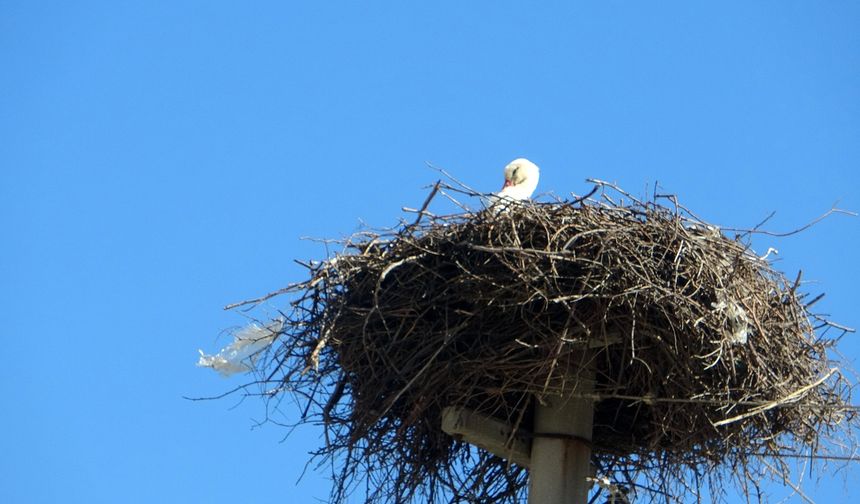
<point>705,357</point>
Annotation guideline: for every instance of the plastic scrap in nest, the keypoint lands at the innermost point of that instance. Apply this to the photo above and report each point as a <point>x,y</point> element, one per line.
<point>616,493</point>
<point>241,355</point>
<point>738,321</point>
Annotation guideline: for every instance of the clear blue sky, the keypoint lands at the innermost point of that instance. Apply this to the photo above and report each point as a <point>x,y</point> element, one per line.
<point>161,159</point>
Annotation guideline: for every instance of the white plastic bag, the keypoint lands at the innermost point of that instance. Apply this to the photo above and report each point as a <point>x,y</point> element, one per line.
<point>240,355</point>
<point>737,317</point>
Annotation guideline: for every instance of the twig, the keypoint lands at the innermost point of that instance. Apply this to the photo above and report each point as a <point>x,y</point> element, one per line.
<point>424,206</point>
<point>778,402</point>
<point>798,230</point>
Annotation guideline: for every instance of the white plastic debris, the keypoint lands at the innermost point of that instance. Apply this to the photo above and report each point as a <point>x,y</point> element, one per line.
<point>738,321</point>
<point>616,494</point>
<point>770,250</point>
<point>240,355</point>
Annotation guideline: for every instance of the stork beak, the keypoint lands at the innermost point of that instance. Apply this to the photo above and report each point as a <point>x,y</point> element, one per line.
<point>508,183</point>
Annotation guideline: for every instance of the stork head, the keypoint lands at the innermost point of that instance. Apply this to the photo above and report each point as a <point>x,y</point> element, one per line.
<point>521,179</point>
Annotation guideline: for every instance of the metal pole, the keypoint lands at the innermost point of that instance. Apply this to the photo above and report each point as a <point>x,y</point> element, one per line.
<point>561,451</point>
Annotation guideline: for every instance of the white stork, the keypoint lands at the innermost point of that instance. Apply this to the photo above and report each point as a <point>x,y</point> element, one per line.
<point>521,177</point>
<point>521,180</point>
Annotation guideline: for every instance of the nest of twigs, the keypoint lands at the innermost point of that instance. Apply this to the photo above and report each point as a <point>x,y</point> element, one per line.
<point>705,357</point>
